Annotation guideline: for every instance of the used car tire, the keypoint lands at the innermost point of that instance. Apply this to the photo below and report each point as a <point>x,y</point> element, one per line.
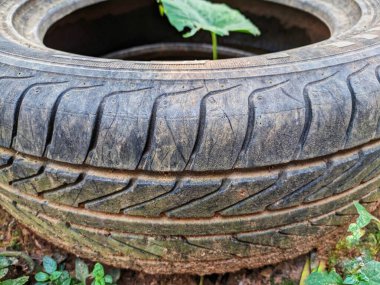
<point>189,167</point>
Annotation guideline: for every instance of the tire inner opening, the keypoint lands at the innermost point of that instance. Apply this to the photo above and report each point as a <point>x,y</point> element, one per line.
<point>134,30</point>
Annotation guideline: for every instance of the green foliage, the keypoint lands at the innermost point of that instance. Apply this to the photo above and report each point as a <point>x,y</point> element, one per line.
<point>81,271</point>
<point>5,263</point>
<point>363,270</point>
<point>357,229</point>
<point>203,15</point>
<point>54,276</point>
<point>324,278</point>
<point>196,15</point>
<point>99,276</point>
<point>18,281</point>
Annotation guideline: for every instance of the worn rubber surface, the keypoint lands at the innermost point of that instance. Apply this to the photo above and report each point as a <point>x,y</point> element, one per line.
<point>193,167</point>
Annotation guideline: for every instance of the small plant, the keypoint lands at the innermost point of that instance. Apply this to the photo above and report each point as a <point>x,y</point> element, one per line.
<point>218,19</point>
<point>54,276</point>
<point>364,239</point>
<point>99,276</point>
<point>5,264</point>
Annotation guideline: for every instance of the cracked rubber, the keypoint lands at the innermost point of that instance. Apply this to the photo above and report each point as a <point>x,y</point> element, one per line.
<point>190,167</point>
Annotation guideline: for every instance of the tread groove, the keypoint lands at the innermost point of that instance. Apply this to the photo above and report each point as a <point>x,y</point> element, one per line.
<point>99,116</point>
<point>308,114</point>
<point>39,172</point>
<point>52,118</point>
<point>354,104</point>
<point>252,119</point>
<point>175,187</point>
<point>152,124</point>
<point>225,183</point>
<point>78,181</point>
<point>202,123</point>
<point>19,103</point>
<point>130,185</point>
<point>274,185</point>
<point>136,248</point>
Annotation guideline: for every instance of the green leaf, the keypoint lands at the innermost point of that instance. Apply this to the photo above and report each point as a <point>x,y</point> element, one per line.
<point>100,281</point>
<point>203,15</point>
<point>55,275</point>
<point>350,280</point>
<point>356,234</point>
<point>3,272</point>
<point>65,278</point>
<point>19,281</point>
<point>364,216</point>
<point>50,265</point>
<point>357,229</point>
<point>98,271</point>
<point>371,271</point>
<point>7,261</point>
<point>108,279</point>
<point>66,281</point>
<point>324,278</point>
<point>81,270</point>
<point>42,277</point>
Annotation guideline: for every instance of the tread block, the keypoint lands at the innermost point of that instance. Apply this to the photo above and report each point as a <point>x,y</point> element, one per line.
<point>335,167</point>
<point>18,169</point>
<point>133,246</point>
<point>24,168</point>
<point>173,129</point>
<point>368,161</point>
<point>292,179</point>
<point>231,192</point>
<point>274,129</point>
<point>329,110</point>
<point>91,187</point>
<point>228,246</point>
<point>366,99</point>
<point>50,179</point>
<point>36,116</point>
<point>74,122</point>
<point>182,193</point>
<point>122,129</point>
<point>333,220</point>
<point>373,197</point>
<point>170,248</point>
<point>139,192</point>
<point>305,230</point>
<point>5,159</point>
<point>271,238</point>
<point>16,89</point>
<point>222,125</point>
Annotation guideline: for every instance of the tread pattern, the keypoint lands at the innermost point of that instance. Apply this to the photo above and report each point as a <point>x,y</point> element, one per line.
<point>193,248</point>
<point>198,126</point>
<point>189,196</point>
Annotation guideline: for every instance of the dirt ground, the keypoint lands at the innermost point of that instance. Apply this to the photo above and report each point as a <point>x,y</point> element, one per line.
<point>14,237</point>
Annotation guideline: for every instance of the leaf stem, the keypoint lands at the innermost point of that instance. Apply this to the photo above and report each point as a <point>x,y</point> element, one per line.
<point>214,46</point>
<point>201,280</point>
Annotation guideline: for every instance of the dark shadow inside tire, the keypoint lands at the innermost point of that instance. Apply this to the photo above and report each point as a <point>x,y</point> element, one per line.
<point>111,26</point>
